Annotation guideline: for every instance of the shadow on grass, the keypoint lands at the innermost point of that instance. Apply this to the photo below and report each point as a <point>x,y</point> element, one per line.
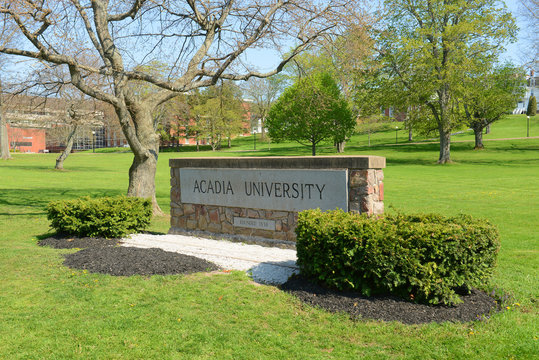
<point>23,214</point>
<point>68,169</point>
<point>500,153</point>
<point>45,235</point>
<point>16,165</point>
<point>39,198</point>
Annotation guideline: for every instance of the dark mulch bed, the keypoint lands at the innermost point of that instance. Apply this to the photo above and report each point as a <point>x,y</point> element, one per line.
<point>127,261</point>
<point>67,242</point>
<point>477,305</point>
<point>104,256</point>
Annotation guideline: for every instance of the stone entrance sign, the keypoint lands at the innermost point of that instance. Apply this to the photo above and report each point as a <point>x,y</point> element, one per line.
<point>260,197</point>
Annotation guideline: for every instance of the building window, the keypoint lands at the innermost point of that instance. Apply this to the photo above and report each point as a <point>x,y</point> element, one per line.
<point>21,143</point>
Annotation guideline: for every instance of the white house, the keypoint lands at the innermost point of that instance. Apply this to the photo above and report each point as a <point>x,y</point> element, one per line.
<point>532,88</point>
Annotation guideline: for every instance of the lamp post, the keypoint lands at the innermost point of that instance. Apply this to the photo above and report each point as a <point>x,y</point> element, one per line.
<point>93,141</point>
<point>254,138</point>
<point>528,127</point>
<point>396,131</point>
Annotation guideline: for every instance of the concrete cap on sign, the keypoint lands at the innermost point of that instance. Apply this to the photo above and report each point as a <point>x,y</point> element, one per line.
<point>280,162</point>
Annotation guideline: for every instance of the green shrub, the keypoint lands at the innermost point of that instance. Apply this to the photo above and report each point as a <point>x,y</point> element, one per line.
<point>105,217</point>
<point>532,106</point>
<point>419,257</point>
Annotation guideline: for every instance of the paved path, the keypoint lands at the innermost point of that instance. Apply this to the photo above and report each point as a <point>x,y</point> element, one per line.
<point>265,264</point>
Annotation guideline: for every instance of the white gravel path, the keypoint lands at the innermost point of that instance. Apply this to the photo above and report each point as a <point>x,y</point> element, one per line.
<point>268,265</point>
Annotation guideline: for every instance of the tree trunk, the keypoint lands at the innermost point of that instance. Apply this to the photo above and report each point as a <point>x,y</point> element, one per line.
<point>407,124</point>
<point>142,179</point>
<point>144,143</point>
<point>444,124</point>
<point>229,142</point>
<point>4,140</point>
<point>313,149</point>
<point>478,132</point>
<point>67,150</point>
<point>445,147</point>
<point>487,129</point>
<point>340,146</point>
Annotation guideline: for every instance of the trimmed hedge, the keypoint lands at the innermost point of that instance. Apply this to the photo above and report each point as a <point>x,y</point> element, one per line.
<point>423,258</point>
<point>108,217</point>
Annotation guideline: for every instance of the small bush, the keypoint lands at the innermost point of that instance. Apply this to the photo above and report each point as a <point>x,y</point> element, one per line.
<point>108,217</point>
<point>424,258</point>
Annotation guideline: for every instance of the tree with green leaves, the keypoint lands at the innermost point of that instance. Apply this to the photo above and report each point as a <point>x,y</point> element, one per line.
<point>532,106</point>
<point>310,111</point>
<point>490,95</point>
<point>429,46</point>
<point>219,113</point>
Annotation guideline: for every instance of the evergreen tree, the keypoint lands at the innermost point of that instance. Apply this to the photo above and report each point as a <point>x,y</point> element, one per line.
<point>532,106</point>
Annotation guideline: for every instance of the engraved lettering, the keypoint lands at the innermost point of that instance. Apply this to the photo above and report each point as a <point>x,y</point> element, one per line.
<point>286,188</point>
<point>203,188</point>
<point>278,190</point>
<point>320,190</point>
<point>295,190</point>
<point>248,190</point>
<point>256,188</point>
<point>309,186</point>
<point>270,189</point>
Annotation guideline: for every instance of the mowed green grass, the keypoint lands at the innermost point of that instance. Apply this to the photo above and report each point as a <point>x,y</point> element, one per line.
<point>48,311</point>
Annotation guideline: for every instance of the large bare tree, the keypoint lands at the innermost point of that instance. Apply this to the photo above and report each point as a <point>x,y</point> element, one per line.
<point>263,93</point>
<point>529,12</point>
<point>201,41</point>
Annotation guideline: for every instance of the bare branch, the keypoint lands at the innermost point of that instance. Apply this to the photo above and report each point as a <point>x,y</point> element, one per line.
<point>130,13</point>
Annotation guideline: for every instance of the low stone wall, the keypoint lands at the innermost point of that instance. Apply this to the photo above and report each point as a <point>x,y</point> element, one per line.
<point>364,181</point>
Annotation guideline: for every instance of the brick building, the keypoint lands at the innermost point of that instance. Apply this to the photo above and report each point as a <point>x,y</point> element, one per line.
<point>37,124</point>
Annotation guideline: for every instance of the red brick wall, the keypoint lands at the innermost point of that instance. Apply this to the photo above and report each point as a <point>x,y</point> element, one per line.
<point>26,140</point>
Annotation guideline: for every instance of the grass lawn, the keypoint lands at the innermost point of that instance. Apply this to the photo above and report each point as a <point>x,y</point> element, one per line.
<point>48,311</point>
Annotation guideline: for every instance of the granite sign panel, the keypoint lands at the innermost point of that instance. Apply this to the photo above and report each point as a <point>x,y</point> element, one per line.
<point>289,190</point>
